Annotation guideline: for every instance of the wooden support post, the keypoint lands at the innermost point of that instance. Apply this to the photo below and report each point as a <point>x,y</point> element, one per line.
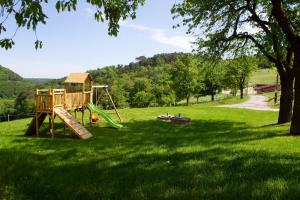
<point>65,99</point>
<point>113,104</point>
<point>52,113</point>
<point>82,116</point>
<point>52,124</point>
<point>36,124</point>
<point>91,90</point>
<point>83,95</point>
<point>49,126</point>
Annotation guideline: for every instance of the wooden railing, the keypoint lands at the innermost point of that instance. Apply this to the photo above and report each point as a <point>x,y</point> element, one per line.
<point>48,99</point>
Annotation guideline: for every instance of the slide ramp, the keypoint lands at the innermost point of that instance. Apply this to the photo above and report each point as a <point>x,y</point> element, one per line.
<point>32,126</point>
<point>72,123</point>
<point>105,116</point>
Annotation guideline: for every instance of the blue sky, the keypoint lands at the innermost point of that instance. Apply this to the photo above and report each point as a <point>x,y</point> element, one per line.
<point>75,42</point>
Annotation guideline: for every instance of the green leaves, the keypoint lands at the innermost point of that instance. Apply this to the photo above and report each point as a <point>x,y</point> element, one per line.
<point>6,43</point>
<point>183,76</point>
<point>38,44</point>
<point>66,5</point>
<point>2,29</point>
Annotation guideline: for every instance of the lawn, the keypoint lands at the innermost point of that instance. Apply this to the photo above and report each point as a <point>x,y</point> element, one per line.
<point>206,99</point>
<point>224,154</point>
<point>263,76</point>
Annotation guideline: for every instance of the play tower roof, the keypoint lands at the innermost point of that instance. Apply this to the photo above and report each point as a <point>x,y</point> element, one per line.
<point>78,78</point>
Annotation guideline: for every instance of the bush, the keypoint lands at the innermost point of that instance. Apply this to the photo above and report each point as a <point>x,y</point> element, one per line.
<point>142,99</point>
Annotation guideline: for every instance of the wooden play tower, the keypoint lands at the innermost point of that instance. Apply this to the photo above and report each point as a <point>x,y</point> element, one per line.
<point>76,95</point>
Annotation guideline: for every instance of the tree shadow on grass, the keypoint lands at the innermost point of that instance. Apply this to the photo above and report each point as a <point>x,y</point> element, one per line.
<point>215,173</point>
<point>150,160</point>
<point>154,132</point>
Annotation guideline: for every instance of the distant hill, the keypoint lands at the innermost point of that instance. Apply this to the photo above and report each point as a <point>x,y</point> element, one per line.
<point>8,75</point>
<point>11,83</point>
<point>39,80</point>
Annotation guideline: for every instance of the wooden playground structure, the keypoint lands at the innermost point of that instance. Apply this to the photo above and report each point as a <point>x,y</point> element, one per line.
<point>76,96</point>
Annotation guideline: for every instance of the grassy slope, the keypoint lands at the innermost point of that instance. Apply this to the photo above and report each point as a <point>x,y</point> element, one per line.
<point>266,76</point>
<point>224,153</point>
<point>263,76</point>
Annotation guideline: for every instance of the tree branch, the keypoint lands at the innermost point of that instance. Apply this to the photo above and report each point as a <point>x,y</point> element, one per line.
<point>256,18</point>
<point>283,21</point>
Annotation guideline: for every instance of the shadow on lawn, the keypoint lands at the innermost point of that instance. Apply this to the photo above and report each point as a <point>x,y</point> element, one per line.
<point>150,160</point>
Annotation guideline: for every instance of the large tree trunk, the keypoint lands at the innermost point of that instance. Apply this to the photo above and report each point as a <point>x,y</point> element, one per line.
<point>286,98</point>
<point>295,125</point>
<point>212,96</point>
<point>187,100</point>
<point>293,38</point>
<point>241,92</point>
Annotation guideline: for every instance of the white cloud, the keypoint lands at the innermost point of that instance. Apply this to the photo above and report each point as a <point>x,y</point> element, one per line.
<point>183,42</point>
<point>89,12</point>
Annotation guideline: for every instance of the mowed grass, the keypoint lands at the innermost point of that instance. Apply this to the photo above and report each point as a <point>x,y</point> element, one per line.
<point>263,76</point>
<point>224,154</point>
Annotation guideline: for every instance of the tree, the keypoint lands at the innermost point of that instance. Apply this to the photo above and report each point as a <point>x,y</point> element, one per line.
<point>288,17</point>
<point>30,14</point>
<point>183,76</point>
<point>143,99</point>
<point>212,78</point>
<point>229,26</point>
<point>24,103</point>
<point>7,106</point>
<point>140,95</point>
<point>237,73</point>
<point>162,86</point>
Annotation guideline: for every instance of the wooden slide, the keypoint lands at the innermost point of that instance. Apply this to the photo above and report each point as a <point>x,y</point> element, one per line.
<point>72,123</point>
<point>32,127</point>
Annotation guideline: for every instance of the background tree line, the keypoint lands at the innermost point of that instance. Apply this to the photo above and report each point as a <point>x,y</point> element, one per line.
<point>166,79</point>
<point>161,80</point>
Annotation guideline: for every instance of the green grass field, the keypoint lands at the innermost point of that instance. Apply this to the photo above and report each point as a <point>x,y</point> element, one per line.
<point>224,154</point>
<point>263,76</point>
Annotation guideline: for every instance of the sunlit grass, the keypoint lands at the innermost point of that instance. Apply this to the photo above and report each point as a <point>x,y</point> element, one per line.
<point>263,76</point>
<point>224,154</point>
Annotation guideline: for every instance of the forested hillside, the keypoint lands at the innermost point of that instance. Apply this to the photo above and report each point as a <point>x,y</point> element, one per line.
<point>16,94</point>
<point>166,79</point>
<point>12,84</point>
<point>143,83</point>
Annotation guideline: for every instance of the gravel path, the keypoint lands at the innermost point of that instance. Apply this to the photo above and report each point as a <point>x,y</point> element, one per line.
<point>255,102</point>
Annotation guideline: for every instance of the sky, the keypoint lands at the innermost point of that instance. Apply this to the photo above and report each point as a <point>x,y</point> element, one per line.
<point>75,42</point>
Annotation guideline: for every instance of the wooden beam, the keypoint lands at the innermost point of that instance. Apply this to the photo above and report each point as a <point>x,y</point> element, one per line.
<point>36,124</point>
<point>91,89</point>
<point>82,116</point>
<point>52,124</point>
<point>114,106</point>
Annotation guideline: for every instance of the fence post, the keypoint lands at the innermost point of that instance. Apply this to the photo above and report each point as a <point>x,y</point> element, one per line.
<point>8,117</point>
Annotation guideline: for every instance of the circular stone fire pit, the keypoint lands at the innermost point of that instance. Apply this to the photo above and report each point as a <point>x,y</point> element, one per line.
<point>175,119</point>
<point>180,120</point>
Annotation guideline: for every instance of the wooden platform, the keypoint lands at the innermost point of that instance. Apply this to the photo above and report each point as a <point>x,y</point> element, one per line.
<point>72,123</point>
